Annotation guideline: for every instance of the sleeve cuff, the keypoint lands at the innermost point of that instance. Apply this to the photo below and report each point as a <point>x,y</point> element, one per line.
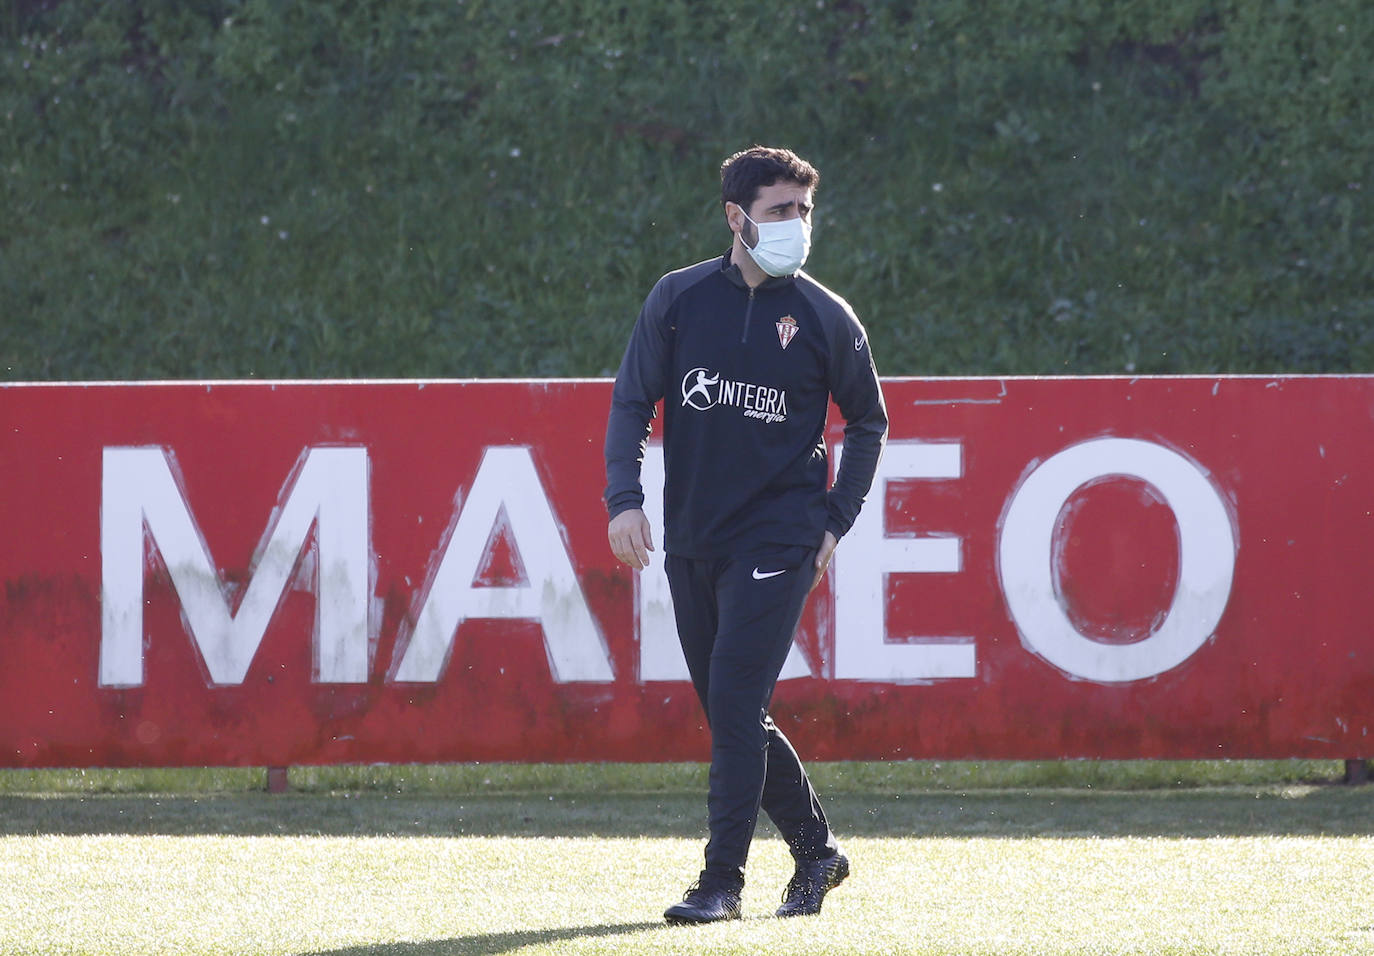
<point>624,502</point>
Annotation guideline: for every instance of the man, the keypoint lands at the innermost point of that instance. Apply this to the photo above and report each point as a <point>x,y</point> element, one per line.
<point>746,351</point>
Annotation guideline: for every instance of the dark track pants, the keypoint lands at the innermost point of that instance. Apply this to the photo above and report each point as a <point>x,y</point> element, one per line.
<point>735,619</point>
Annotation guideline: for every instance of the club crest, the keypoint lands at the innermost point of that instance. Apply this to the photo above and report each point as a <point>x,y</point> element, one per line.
<point>787,327</point>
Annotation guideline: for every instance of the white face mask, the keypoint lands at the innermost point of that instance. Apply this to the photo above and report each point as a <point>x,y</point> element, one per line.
<point>782,247</point>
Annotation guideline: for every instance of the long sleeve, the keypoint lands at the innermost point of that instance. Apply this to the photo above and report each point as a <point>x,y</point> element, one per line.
<point>639,384</point>
<point>854,385</point>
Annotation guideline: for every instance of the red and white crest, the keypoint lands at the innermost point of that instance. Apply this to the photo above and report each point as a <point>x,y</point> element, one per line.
<point>787,327</point>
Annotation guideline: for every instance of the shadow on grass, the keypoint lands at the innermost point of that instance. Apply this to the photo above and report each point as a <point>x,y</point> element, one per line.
<point>1240,811</point>
<point>489,944</point>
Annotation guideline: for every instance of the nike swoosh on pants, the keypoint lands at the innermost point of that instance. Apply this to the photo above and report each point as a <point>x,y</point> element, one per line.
<point>760,575</point>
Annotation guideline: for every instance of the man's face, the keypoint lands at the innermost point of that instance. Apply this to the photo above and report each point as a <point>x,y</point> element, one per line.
<point>781,201</point>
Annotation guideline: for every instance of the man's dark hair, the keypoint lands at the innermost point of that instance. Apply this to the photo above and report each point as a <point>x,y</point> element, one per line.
<point>748,171</point>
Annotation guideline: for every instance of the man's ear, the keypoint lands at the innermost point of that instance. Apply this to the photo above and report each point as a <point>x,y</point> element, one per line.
<point>734,217</point>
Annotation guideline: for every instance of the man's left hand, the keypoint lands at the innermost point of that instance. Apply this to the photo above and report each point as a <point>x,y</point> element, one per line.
<point>823,557</point>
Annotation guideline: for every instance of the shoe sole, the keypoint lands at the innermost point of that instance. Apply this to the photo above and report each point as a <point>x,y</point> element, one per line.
<point>682,919</point>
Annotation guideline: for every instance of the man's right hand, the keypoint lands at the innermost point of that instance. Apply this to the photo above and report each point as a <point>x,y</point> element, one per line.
<point>631,538</point>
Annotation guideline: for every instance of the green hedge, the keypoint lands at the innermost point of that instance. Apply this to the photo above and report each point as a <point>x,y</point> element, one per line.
<point>299,188</point>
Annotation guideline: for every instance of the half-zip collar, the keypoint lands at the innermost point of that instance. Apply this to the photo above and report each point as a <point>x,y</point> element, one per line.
<point>736,277</point>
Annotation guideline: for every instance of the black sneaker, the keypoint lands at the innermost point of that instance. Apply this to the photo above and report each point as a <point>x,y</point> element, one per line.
<point>809,884</point>
<point>708,900</point>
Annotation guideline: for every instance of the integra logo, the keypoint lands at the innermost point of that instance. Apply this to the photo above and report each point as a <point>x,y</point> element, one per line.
<point>703,389</point>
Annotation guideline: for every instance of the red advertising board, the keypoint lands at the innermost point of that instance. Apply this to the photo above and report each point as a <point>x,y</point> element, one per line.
<point>339,572</point>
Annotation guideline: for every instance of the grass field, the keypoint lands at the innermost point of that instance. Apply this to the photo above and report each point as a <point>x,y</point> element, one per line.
<point>583,860</point>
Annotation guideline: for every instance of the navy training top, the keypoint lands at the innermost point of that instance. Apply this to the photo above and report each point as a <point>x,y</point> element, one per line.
<point>746,377</point>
